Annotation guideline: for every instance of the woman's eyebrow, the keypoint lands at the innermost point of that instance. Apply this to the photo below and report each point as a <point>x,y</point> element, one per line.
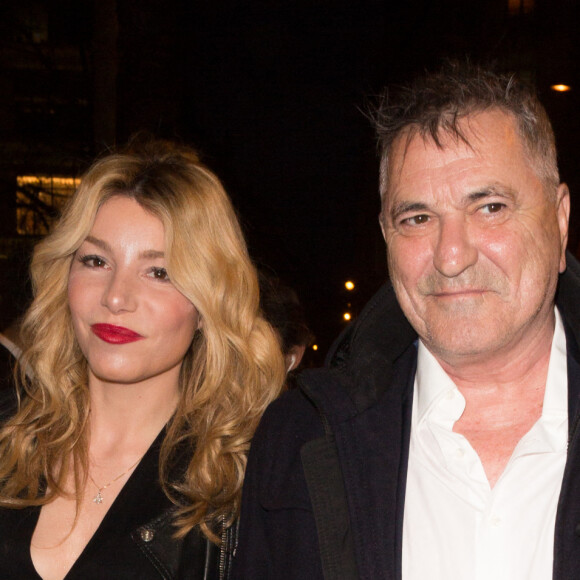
<point>145,254</point>
<point>98,242</point>
<point>152,254</point>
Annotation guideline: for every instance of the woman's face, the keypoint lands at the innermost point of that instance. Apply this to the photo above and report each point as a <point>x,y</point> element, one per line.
<point>131,323</point>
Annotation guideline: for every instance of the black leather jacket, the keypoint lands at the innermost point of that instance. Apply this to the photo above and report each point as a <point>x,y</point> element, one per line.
<point>135,540</point>
<point>191,558</point>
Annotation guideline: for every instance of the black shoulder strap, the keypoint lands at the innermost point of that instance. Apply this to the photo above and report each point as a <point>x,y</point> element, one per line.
<point>327,493</point>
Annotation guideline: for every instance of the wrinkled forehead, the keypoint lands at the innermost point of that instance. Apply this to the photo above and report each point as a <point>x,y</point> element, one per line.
<point>480,134</point>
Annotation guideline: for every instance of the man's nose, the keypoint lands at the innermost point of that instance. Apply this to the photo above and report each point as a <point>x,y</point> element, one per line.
<point>454,250</point>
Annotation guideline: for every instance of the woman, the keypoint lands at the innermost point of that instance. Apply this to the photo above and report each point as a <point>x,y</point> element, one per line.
<point>150,367</point>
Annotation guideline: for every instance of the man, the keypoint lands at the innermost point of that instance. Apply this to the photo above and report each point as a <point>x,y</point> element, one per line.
<point>441,442</point>
<point>283,310</point>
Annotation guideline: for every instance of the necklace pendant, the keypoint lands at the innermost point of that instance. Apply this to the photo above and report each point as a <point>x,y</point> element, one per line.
<point>98,498</point>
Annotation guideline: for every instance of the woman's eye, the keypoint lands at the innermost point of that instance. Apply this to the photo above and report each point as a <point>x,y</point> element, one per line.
<point>92,261</point>
<point>159,274</point>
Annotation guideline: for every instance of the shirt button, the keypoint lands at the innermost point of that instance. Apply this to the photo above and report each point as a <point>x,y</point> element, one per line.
<point>459,453</point>
<point>495,522</point>
<point>449,395</point>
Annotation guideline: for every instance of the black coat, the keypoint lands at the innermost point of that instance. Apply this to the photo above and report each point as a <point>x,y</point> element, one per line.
<point>326,477</point>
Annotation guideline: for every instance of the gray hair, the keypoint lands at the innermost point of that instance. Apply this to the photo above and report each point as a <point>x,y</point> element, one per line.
<point>436,103</point>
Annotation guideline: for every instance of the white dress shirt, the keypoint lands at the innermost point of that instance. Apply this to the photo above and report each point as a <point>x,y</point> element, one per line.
<point>455,526</point>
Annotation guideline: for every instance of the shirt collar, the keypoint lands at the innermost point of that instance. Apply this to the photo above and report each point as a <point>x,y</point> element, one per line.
<point>432,382</point>
<point>556,395</point>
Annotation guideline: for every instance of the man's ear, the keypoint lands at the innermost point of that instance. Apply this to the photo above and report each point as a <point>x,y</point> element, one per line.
<point>382,224</point>
<point>563,216</point>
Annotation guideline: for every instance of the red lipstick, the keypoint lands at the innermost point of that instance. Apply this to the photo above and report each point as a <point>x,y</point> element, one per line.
<point>115,334</point>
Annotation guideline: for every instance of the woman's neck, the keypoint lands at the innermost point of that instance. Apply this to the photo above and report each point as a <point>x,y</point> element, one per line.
<point>128,417</point>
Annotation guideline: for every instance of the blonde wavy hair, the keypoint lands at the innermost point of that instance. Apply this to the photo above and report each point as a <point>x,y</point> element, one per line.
<point>231,372</point>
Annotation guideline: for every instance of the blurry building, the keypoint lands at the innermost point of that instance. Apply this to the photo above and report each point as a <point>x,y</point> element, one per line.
<point>271,92</point>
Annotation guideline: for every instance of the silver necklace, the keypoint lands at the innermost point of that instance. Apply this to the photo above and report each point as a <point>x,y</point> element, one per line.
<point>98,499</point>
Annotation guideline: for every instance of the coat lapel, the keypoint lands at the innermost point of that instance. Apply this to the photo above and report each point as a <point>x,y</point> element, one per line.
<point>567,531</point>
<point>373,451</point>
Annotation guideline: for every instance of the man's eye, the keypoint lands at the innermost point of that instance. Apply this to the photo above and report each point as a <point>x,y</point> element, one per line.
<point>492,207</point>
<point>416,220</point>
<point>92,261</point>
<point>159,274</point>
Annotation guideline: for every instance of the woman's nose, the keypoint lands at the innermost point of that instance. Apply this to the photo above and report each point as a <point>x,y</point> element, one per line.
<point>120,293</point>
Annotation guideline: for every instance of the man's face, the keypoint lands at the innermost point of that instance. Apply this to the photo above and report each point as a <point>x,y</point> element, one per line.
<point>474,241</point>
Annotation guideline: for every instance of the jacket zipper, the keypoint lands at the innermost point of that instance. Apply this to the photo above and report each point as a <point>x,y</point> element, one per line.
<point>222,565</point>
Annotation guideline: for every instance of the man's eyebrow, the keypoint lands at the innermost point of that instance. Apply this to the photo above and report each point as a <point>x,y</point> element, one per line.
<point>417,206</point>
<point>491,191</point>
<point>405,207</point>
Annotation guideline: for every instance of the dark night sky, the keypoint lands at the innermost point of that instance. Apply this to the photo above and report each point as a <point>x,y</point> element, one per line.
<point>270,91</point>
